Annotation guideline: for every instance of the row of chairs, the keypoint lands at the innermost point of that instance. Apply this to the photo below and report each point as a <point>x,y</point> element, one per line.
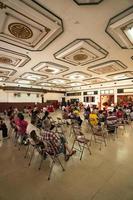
<point>80,142</point>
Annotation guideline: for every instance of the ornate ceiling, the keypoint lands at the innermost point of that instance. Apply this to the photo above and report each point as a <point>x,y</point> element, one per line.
<point>67,45</point>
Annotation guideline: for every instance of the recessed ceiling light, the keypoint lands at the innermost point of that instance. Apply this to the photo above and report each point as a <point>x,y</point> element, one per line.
<point>129,33</point>
<point>58,81</point>
<point>76,76</point>
<point>1,79</point>
<point>32,77</point>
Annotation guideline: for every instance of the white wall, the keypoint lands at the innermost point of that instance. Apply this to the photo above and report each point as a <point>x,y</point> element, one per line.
<point>53,96</point>
<point>3,96</point>
<point>23,97</point>
<point>8,96</point>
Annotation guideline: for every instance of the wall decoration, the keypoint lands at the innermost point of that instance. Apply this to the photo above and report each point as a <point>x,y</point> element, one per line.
<point>124,100</point>
<point>106,100</point>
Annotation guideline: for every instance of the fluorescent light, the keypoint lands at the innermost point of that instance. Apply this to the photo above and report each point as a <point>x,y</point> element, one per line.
<point>1,78</point>
<point>58,81</point>
<point>76,84</point>
<point>121,76</point>
<point>23,81</point>
<point>45,84</point>
<point>129,33</point>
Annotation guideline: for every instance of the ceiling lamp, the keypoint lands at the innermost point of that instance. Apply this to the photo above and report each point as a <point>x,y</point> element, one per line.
<point>87,2</point>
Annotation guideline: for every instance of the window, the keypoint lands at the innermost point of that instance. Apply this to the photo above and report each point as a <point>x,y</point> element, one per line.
<point>90,92</point>
<point>74,94</point>
<point>89,99</point>
<point>107,91</point>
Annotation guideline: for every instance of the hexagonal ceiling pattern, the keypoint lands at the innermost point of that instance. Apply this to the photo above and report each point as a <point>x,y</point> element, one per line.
<point>65,45</point>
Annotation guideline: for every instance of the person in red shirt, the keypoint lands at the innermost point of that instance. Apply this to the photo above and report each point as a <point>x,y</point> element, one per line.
<point>120,113</point>
<point>21,126</point>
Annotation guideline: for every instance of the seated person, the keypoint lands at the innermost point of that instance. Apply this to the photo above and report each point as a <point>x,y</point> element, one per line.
<point>120,114</point>
<point>101,117</point>
<point>131,115</point>
<point>46,123</point>
<point>3,128</point>
<point>36,141</point>
<point>77,117</point>
<point>59,144</point>
<point>21,126</point>
<point>93,118</point>
<point>111,122</point>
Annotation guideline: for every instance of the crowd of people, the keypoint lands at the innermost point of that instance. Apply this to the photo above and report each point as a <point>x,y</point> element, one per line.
<point>94,116</point>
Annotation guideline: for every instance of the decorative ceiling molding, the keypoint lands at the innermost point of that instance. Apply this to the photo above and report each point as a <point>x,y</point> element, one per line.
<point>12,58</point>
<point>46,84</point>
<point>121,76</point>
<point>21,28</point>
<point>33,76</point>
<point>96,80</point>
<point>7,71</point>
<point>3,78</point>
<point>58,81</point>
<point>119,26</point>
<point>81,52</point>
<point>74,84</point>
<point>77,75</point>
<point>87,2</point>
<point>107,67</point>
<point>24,81</point>
<point>49,68</point>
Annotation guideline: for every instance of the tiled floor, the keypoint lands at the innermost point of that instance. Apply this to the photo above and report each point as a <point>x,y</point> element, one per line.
<point>105,175</point>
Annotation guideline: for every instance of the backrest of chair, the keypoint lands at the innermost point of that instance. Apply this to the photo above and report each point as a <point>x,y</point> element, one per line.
<point>51,120</point>
<point>49,148</point>
<point>34,136</point>
<point>59,120</point>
